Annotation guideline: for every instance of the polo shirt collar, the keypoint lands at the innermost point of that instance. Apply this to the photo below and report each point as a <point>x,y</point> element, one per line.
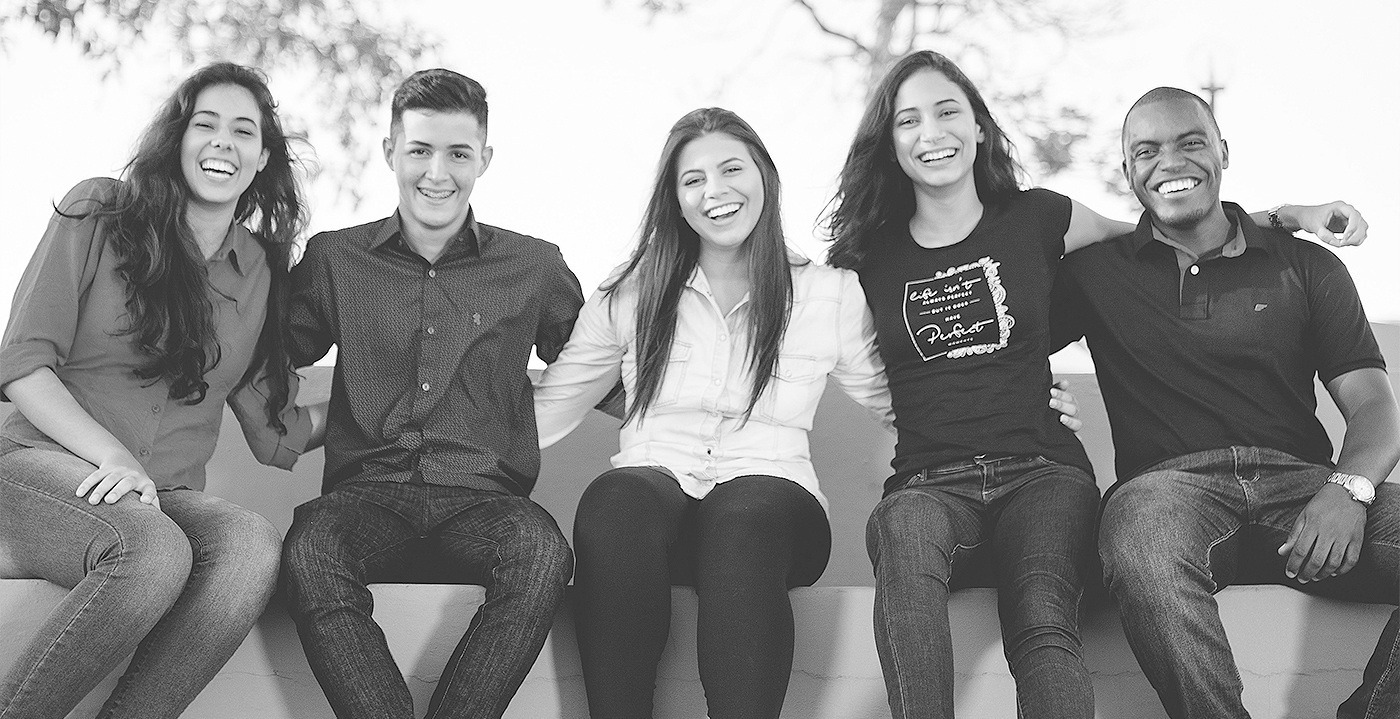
<point>468,239</point>
<point>1254,237</point>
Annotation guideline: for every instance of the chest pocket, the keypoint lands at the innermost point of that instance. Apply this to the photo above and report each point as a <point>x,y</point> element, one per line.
<point>790,394</point>
<point>674,382</point>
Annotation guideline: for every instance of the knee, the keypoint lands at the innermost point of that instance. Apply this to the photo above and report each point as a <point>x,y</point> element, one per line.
<point>621,507</point>
<point>149,549</point>
<point>537,543</point>
<point>901,528</point>
<point>247,551</point>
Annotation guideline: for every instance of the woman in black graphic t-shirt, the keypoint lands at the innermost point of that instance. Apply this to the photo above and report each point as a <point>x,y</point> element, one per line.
<point>957,263</point>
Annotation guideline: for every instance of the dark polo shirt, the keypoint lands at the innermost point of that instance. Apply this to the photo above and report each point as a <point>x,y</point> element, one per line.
<point>1221,353</point>
<point>430,382</point>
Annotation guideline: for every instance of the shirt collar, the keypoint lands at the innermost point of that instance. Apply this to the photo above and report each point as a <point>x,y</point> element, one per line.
<point>1244,234</point>
<point>469,238</point>
<point>238,242</point>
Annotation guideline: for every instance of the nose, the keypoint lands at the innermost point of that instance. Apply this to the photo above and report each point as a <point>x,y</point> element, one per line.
<point>715,186</point>
<point>437,166</point>
<point>1168,157</point>
<point>932,131</point>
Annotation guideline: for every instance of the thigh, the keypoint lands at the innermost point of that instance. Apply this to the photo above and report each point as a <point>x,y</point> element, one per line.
<point>764,522</point>
<point>1164,516</point>
<point>1376,577</point>
<point>924,529</point>
<point>223,534</point>
<point>492,529</point>
<point>640,514</point>
<point>53,534</point>
<point>1047,526</point>
<point>361,528</point>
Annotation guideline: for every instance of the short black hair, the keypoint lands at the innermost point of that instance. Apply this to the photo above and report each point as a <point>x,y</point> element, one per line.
<point>439,90</point>
<point>1159,94</point>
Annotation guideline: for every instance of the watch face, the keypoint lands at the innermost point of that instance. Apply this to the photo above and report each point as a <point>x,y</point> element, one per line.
<point>1361,489</point>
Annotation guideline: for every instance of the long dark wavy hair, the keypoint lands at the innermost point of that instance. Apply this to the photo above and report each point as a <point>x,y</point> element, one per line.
<point>874,193</point>
<point>669,249</point>
<point>166,280</point>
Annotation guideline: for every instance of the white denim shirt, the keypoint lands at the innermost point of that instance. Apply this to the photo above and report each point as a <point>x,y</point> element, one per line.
<point>694,428</point>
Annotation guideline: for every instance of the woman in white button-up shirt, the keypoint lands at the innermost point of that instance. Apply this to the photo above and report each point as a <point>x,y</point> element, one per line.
<point>713,486</point>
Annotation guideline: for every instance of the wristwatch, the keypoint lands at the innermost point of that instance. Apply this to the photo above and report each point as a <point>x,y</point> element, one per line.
<point>1356,485</point>
<point>1275,222</point>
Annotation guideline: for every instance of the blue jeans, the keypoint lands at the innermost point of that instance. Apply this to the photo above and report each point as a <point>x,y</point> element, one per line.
<point>1186,528</point>
<point>1037,519</point>
<point>179,586</point>
<point>365,532</point>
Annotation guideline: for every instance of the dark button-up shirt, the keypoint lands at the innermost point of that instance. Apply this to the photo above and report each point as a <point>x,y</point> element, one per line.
<point>70,315</point>
<point>1224,354</point>
<point>430,382</point>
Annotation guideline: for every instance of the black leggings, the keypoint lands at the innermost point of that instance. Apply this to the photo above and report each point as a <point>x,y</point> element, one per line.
<point>742,548</point>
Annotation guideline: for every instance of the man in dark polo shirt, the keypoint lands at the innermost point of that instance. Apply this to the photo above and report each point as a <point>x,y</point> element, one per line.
<point>1207,333</point>
<point>431,445</point>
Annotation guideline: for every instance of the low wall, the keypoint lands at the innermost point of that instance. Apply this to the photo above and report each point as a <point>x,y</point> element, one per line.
<point>1299,656</point>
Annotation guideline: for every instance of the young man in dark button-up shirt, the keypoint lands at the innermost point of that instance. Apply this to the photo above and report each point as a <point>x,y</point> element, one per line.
<point>431,446</point>
<point>1207,333</point>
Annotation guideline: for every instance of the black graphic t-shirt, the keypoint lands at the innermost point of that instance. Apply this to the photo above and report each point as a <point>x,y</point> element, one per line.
<point>964,332</point>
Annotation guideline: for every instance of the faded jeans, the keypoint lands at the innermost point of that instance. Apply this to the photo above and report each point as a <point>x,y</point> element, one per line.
<point>179,586</point>
<point>1186,528</point>
<point>363,532</point>
<point>1037,518</point>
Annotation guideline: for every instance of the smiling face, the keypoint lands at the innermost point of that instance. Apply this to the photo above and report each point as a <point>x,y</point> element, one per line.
<point>720,189</point>
<point>1173,158</point>
<point>436,158</point>
<point>935,132</point>
<point>222,148</point>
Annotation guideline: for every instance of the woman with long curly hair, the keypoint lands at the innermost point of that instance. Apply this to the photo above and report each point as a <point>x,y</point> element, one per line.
<point>957,262</point>
<point>150,302</point>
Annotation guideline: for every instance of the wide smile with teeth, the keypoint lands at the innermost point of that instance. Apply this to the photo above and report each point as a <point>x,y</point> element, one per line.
<point>935,155</point>
<point>1174,186</point>
<point>218,168</point>
<point>720,212</point>
<point>435,194</point>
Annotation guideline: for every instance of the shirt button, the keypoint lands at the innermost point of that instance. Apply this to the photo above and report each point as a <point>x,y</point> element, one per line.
<point>144,452</point>
<point>432,273</point>
<point>432,330</point>
<point>1195,270</point>
<point>717,383</point>
<point>722,338</point>
<point>155,409</point>
<point>426,386</point>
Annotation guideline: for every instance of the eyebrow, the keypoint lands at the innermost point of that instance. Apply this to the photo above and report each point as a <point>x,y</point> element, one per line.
<point>215,114</point>
<point>953,100</point>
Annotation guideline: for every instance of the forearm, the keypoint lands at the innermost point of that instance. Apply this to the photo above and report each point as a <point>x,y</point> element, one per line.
<point>48,405</point>
<point>1370,447</point>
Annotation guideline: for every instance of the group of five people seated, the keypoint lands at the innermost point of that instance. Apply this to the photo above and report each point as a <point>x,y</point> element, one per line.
<point>155,299</point>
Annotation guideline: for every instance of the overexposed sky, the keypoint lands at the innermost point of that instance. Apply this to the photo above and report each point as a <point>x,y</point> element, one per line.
<point>582,93</point>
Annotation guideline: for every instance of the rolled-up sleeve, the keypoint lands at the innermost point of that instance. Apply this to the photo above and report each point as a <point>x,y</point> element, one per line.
<point>859,369</point>
<point>44,313</point>
<point>249,405</point>
<point>560,310</point>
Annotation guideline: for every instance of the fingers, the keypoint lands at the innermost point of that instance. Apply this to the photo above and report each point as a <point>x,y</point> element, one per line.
<point>109,484</point>
<point>1348,221</point>
<point>1073,423</point>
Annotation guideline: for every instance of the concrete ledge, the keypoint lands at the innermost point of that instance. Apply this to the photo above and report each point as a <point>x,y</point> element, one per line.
<point>1299,658</point>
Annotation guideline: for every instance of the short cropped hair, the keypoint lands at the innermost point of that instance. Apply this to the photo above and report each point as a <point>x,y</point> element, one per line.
<point>438,90</point>
<point>1159,94</point>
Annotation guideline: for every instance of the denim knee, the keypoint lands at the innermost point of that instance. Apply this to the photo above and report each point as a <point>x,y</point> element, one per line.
<point>897,535</point>
<point>150,552</point>
<point>541,546</point>
<point>249,553</point>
